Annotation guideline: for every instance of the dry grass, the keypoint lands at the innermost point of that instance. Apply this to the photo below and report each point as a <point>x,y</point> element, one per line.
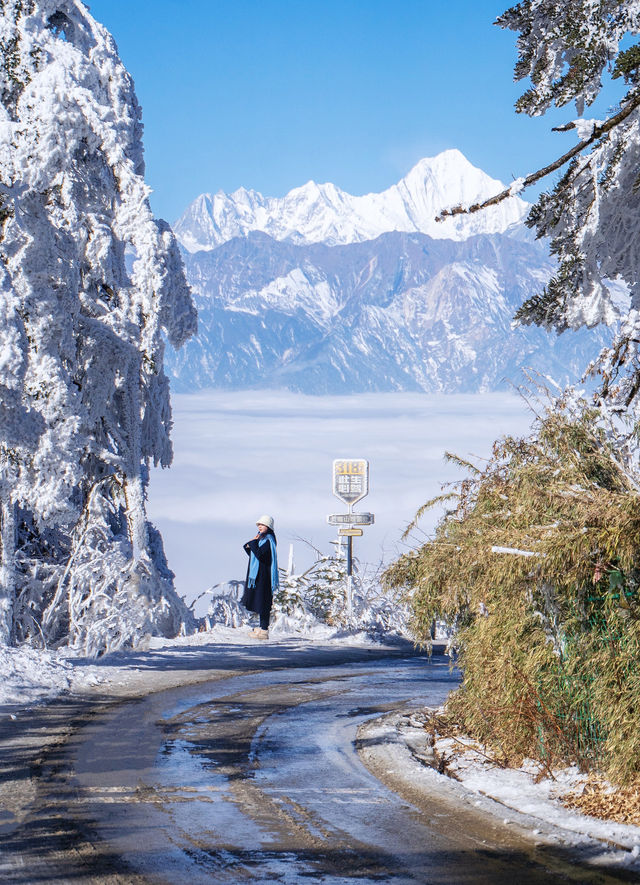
<point>598,799</point>
<point>549,643</point>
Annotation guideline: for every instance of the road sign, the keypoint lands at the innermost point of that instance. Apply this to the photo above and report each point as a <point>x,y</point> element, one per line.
<point>351,519</point>
<point>350,479</point>
<point>352,533</point>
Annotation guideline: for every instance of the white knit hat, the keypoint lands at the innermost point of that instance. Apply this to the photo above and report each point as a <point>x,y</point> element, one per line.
<point>265,520</point>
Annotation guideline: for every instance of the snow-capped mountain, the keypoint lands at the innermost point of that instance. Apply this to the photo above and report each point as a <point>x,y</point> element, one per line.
<point>322,213</point>
<point>324,292</point>
<point>401,312</point>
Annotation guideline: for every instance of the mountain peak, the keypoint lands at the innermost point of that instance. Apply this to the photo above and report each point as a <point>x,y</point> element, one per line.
<point>242,193</point>
<point>322,213</point>
<point>452,156</point>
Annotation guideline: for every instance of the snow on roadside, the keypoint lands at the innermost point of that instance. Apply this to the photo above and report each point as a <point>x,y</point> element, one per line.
<point>283,629</point>
<point>524,792</point>
<point>305,626</point>
<point>30,676</point>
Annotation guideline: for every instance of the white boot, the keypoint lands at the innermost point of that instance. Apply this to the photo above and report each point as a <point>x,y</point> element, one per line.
<point>259,633</point>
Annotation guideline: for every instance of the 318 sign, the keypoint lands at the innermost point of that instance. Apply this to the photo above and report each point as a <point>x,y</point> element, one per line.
<point>350,479</point>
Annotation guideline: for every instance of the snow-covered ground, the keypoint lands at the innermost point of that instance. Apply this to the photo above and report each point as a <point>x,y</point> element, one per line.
<point>31,676</point>
<point>520,798</point>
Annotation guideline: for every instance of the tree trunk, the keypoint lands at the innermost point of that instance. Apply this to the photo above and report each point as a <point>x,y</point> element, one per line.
<point>136,515</point>
<point>133,486</point>
<point>7,568</point>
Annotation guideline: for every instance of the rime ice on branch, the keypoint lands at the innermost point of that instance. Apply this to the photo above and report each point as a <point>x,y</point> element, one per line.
<point>89,284</point>
<point>592,215</point>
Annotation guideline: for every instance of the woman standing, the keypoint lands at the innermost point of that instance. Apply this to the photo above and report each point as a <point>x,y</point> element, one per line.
<point>262,575</point>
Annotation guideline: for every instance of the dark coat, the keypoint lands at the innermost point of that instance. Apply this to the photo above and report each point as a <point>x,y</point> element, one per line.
<point>259,598</point>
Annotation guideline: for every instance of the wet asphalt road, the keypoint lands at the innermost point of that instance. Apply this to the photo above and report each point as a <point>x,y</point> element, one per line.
<point>256,778</point>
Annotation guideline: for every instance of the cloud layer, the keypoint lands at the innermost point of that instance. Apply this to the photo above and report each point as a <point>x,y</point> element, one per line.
<point>238,455</point>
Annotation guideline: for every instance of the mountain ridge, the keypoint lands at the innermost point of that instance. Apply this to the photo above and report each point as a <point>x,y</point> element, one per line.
<point>322,292</point>
<point>402,312</point>
<point>315,213</point>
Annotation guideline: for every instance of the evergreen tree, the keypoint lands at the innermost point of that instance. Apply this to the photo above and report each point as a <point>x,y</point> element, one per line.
<point>592,215</point>
<point>91,282</point>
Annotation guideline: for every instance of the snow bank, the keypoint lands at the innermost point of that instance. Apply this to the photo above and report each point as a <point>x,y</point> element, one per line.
<point>31,676</point>
<point>523,791</point>
<point>312,606</point>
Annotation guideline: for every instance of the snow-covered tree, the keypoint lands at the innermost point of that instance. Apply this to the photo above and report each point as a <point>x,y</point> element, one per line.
<point>18,433</point>
<point>592,215</point>
<point>320,594</point>
<point>90,283</point>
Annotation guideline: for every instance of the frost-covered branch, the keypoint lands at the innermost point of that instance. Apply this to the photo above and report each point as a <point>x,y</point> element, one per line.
<point>513,551</point>
<point>597,129</point>
<point>592,214</point>
<point>84,400</point>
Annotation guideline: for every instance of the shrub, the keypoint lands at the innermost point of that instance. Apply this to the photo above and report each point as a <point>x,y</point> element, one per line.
<point>537,565</point>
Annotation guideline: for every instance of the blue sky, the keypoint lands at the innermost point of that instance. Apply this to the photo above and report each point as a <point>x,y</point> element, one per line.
<point>271,93</point>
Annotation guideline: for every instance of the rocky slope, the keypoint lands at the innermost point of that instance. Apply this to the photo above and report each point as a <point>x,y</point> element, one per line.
<point>402,312</point>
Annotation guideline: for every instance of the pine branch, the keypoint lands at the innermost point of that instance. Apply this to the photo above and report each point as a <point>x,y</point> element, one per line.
<point>598,132</point>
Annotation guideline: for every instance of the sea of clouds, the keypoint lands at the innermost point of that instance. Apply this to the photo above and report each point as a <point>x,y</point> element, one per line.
<point>239,455</point>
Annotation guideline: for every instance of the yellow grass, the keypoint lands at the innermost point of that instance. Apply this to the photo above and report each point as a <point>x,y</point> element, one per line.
<point>549,643</point>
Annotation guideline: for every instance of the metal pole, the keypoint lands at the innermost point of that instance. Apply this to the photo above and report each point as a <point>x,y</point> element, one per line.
<point>349,573</point>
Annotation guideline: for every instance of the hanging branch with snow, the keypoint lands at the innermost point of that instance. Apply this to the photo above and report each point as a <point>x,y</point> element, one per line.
<point>81,356</point>
<point>593,129</point>
<point>592,215</point>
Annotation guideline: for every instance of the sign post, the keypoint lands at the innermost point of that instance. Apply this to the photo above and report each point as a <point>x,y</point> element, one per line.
<point>350,480</point>
<point>350,484</point>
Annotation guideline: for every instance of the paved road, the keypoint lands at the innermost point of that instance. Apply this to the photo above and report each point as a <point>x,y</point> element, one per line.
<point>255,777</point>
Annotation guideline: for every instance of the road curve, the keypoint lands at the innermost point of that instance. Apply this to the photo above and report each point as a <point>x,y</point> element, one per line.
<point>255,776</point>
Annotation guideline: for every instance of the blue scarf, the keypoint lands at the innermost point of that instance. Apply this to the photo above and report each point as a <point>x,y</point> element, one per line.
<point>254,564</point>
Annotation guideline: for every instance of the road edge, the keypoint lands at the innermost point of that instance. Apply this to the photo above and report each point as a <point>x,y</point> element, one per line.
<point>396,762</point>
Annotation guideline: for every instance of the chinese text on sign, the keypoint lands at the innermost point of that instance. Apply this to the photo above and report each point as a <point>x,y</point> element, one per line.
<point>350,479</point>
